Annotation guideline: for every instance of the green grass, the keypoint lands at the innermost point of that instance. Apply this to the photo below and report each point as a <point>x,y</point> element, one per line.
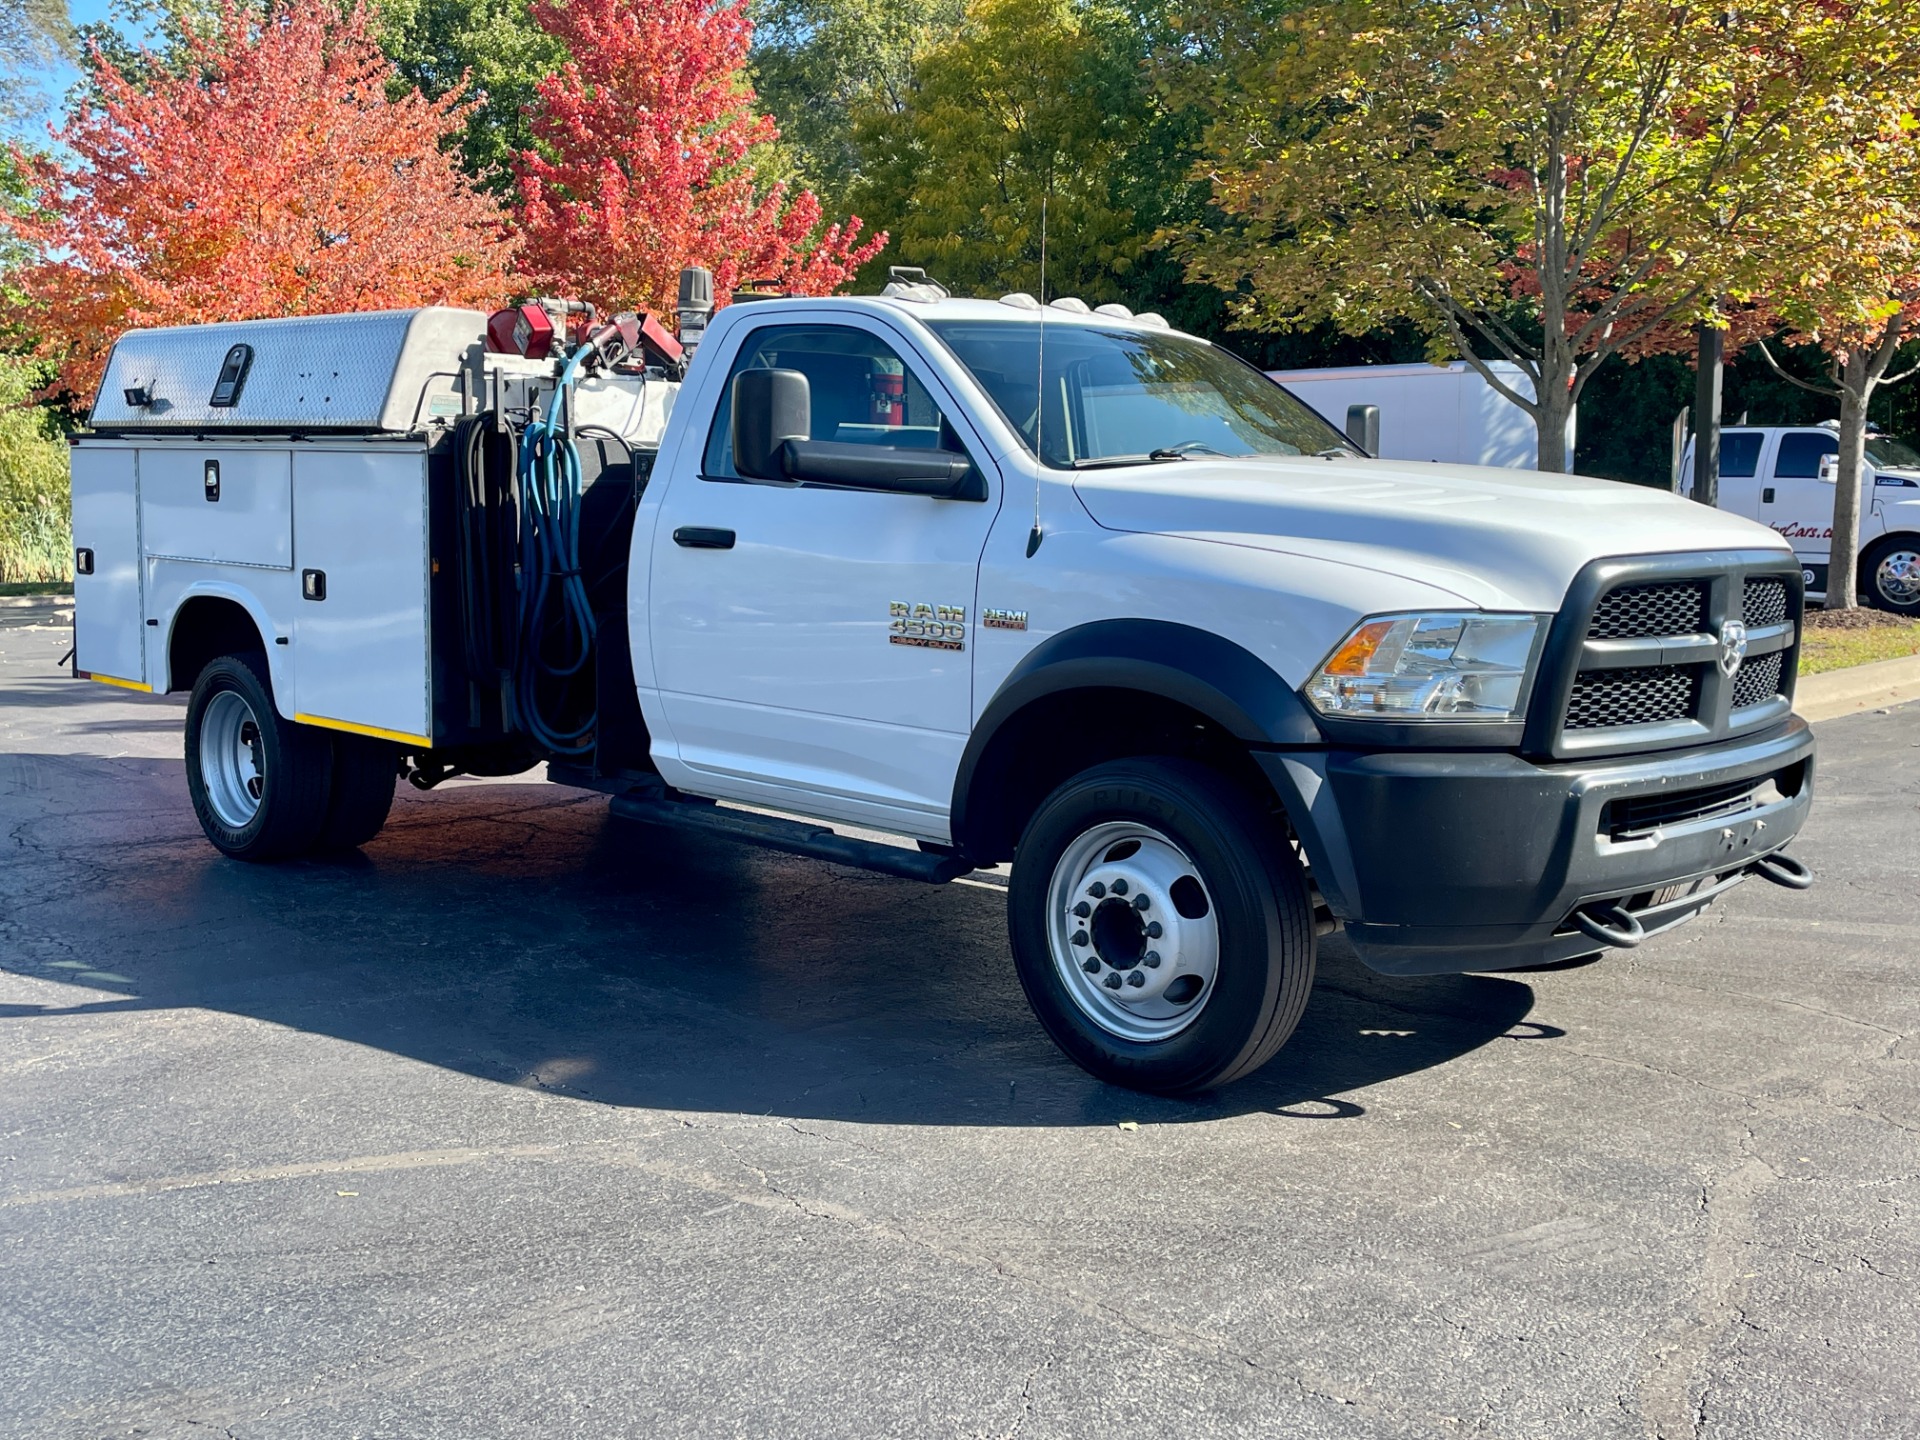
<point>36,535</point>
<point>1824,650</point>
<point>36,587</point>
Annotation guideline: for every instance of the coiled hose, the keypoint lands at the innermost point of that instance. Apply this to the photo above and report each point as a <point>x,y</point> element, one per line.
<point>556,630</point>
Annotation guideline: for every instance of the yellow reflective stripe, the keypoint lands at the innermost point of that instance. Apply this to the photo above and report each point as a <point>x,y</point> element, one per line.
<point>374,730</point>
<point>123,684</point>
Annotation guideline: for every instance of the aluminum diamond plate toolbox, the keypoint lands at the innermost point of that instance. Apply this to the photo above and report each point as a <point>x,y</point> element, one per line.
<point>391,371</point>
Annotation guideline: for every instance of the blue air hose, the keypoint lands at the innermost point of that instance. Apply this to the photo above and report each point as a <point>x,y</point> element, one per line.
<point>555,616</point>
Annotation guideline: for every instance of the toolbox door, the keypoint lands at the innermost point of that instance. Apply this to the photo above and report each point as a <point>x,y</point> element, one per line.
<point>360,652</point>
<point>228,504</point>
<point>109,632</point>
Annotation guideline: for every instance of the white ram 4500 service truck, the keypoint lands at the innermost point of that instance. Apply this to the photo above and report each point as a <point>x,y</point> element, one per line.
<point>1016,583</point>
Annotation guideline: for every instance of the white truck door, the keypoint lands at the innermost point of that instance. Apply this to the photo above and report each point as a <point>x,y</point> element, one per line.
<point>1739,471</point>
<point>812,646</point>
<point>109,629</point>
<point>1795,501</point>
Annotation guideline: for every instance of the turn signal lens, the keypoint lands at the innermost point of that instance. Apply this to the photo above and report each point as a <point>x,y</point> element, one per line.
<point>1358,648</point>
<point>1444,666</point>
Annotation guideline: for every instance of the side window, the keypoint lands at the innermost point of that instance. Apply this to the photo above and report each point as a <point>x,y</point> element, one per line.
<point>1739,454</point>
<point>1800,452</point>
<point>863,393</point>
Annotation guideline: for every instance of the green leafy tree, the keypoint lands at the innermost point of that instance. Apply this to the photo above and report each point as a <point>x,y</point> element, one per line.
<point>34,523</point>
<point>1030,104</point>
<point>493,48</point>
<point>819,63</point>
<point>1545,182</point>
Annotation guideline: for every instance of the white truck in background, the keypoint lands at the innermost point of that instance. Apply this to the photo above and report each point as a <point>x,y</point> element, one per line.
<point>1003,580</point>
<point>1447,413</point>
<point>1784,477</point>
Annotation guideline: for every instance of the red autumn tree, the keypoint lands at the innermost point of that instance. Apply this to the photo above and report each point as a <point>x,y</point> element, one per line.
<point>266,174</point>
<point>645,162</point>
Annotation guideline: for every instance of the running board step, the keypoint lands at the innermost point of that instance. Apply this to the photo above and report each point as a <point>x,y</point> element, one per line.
<point>794,837</point>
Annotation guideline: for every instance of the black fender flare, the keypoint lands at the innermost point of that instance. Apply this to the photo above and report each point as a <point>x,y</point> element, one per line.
<point>1205,672</point>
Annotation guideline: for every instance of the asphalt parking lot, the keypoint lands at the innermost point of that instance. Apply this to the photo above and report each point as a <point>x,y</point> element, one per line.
<point>522,1123</point>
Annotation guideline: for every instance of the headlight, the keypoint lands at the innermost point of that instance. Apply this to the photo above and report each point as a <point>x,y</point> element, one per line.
<point>1430,667</point>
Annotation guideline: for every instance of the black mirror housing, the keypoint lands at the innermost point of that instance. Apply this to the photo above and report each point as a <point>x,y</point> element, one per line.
<point>937,474</point>
<point>770,407</point>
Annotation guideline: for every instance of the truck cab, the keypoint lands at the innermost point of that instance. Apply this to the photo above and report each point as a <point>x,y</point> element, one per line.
<point>1010,583</point>
<point>1784,475</point>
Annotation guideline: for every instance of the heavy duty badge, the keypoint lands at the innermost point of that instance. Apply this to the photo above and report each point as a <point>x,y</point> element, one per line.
<point>932,627</point>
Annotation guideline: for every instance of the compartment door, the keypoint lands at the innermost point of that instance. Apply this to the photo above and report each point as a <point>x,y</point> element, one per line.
<point>231,505</point>
<point>360,657</point>
<point>109,619</point>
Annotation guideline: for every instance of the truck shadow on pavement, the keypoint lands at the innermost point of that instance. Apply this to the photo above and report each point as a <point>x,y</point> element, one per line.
<point>517,933</point>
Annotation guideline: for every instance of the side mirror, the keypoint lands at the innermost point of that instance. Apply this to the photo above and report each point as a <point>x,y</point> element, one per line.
<point>1363,427</point>
<point>770,407</point>
<point>1830,469</point>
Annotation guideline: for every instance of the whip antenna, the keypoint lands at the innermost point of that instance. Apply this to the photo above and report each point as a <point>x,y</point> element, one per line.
<point>1040,388</point>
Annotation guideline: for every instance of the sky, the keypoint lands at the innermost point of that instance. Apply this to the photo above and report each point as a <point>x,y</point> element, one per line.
<point>62,78</point>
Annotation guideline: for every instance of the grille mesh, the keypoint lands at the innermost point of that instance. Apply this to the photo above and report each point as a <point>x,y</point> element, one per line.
<point>1636,611</point>
<point>1602,699</point>
<point>1757,680</point>
<point>1626,818</point>
<point>1764,602</point>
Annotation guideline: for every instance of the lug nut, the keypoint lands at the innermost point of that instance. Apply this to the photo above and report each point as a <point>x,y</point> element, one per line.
<point>1136,979</point>
<point>1141,902</point>
<point>1154,932</point>
<point>1096,890</point>
<point>1079,937</point>
<point>1119,887</point>
<point>1083,909</point>
<point>1151,959</point>
<point>1112,981</point>
<point>1091,965</point>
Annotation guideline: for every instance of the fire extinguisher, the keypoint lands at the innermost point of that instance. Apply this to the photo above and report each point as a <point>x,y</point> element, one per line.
<point>889,397</point>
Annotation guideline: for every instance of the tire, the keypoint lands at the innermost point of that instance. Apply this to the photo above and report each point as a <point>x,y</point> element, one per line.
<point>1226,899</point>
<point>1890,574</point>
<point>259,783</point>
<point>364,772</point>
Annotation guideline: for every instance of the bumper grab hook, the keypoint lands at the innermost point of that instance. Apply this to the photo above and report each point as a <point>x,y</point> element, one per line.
<point>1782,869</point>
<point>1610,925</point>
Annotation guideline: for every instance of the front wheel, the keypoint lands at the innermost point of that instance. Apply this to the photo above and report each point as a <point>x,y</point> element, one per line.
<point>1890,574</point>
<point>1161,926</point>
<point>259,783</point>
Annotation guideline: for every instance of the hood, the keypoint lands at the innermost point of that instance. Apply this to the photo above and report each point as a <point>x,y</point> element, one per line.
<point>1499,539</point>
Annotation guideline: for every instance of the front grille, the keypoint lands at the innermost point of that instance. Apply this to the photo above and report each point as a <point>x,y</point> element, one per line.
<point>1602,699</point>
<point>1627,819</point>
<point>1635,612</point>
<point>1763,602</point>
<point>1757,680</point>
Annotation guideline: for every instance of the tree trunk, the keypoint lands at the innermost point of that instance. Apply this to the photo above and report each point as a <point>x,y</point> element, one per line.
<point>1551,413</point>
<point>1856,389</point>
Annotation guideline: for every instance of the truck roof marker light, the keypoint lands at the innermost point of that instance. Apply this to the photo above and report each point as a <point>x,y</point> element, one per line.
<point>1072,304</point>
<point>1360,647</point>
<point>1118,312</point>
<point>1020,300</point>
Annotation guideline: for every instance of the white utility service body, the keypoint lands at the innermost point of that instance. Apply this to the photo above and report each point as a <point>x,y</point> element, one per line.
<point>1449,413</point>
<point>1482,718</point>
<point>1784,475</point>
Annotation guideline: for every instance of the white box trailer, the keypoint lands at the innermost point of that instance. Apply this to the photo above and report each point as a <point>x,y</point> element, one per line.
<point>1432,412</point>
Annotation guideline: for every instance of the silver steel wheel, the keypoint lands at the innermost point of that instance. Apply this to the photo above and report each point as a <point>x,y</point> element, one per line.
<point>1897,577</point>
<point>1132,931</point>
<point>233,764</point>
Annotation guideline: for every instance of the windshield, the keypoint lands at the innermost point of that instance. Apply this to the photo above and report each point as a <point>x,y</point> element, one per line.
<point>1887,453</point>
<point>1120,397</point>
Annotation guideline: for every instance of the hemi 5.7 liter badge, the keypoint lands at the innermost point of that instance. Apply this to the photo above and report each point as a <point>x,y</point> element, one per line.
<point>932,627</point>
